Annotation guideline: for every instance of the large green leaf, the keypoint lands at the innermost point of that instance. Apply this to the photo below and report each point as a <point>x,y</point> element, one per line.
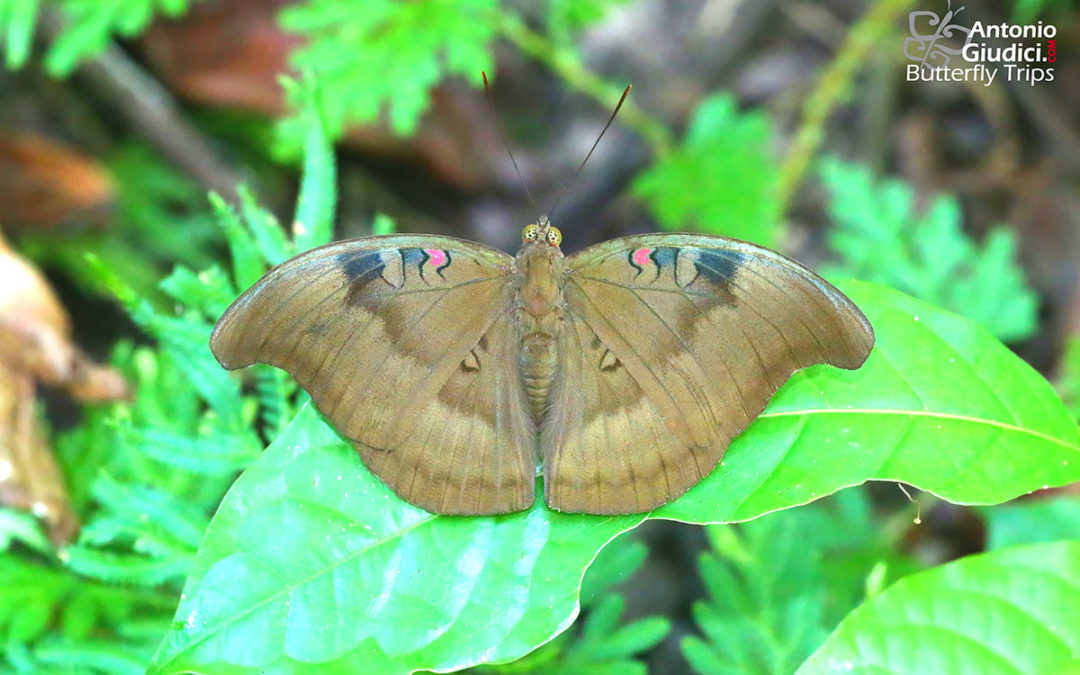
<point>940,404</point>
<point>311,560</point>
<point>1012,611</point>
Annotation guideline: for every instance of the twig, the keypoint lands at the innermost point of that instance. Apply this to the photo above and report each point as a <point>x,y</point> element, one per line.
<point>567,64</point>
<point>151,110</point>
<point>834,84</point>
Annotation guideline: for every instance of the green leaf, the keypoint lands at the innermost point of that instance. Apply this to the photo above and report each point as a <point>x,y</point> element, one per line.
<point>347,531</point>
<point>383,224</point>
<point>1011,611</point>
<point>565,17</point>
<point>90,25</point>
<point>882,237</point>
<point>265,229</point>
<point>615,563</point>
<point>780,583</point>
<point>1032,521</point>
<point>721,180</point>
<point>362,577</point>
<point>385,58</point>
<point>22,527</point>
<point>1068,383</point>
<point>940,404</point>
<point>17,21</point>
<point>248,265</point>
<point>313,224</point>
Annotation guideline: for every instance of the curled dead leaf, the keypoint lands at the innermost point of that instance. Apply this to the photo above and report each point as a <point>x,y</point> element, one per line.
<point>36,347</point>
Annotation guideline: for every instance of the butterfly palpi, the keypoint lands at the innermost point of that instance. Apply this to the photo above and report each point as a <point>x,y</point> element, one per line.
<point>624,370</point>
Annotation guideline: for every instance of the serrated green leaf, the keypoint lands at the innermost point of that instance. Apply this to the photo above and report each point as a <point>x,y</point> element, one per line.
<point>778,584</point>
<point>1015,610</point>
<point>701,657</point>
<point>121,568</point>
<point>267,232</point>
<point>721,180</point>
<point>313,224</point>
<point>90,25</point>
<point>882,237</point>
<point>248,265</point>
<point>940,404</point>
<point>208,292</point>
<point>386,58</point>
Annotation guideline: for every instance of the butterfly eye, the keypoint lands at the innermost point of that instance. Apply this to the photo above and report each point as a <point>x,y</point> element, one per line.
<point>554,236</point>
<point>530,233</point>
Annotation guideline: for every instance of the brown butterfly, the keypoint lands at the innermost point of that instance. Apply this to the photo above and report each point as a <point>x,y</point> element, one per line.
<point>625,370</point>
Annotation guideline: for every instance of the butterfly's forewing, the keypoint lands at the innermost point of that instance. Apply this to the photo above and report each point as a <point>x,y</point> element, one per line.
<point>405,345</point>
<point>674,344</point>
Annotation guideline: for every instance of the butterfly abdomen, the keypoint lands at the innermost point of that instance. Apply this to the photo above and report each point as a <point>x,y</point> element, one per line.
<point>538,361</point>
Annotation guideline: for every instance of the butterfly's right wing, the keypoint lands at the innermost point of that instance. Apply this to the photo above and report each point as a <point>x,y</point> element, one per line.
<point>405,345</point>
<point>671,345</point>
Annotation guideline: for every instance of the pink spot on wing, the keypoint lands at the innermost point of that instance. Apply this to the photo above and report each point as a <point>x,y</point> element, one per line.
<point>641,256</point>
<point>436,257</point>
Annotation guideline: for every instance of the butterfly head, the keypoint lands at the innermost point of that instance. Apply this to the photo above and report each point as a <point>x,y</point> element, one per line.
<point>542,233</point>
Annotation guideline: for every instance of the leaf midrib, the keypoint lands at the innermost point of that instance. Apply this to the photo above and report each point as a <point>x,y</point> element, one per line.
<point>766,415</point>
<point>925,413</point>
<point>285,590</point>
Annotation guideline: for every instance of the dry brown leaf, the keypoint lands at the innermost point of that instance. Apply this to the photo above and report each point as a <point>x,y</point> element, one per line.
<point>44,183</point>
<point>232,54</point>
<point>36,347</point>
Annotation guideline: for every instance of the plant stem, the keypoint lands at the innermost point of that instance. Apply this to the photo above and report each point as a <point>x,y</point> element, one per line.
<point>832,88</point>
<point>567,64</point>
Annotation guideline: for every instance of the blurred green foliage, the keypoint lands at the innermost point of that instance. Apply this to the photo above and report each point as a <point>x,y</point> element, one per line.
<point>386,58</point>
<point>17,21</point>
<point>161,218</point>
<point>1026,11</point>
<point>566,17</point>
<point>779,584</point>
<point>721,179</point>
<point>1068,382</point>
<point>1033,521</point>
<point>881,235</point>
<point>145,476</point>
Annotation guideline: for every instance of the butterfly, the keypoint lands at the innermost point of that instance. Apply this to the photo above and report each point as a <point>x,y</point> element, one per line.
<point>621,373</point>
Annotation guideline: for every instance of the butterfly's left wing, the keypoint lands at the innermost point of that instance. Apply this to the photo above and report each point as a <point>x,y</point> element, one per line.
<point>671,346</point>
<point>406,345</point>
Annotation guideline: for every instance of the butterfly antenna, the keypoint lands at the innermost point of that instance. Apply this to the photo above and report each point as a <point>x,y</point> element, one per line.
<point>506,146</point>
<point>581,166</point>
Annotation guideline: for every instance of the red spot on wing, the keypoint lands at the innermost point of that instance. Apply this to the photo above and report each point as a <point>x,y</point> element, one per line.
<point>436,257</point>
<point>641,256</point>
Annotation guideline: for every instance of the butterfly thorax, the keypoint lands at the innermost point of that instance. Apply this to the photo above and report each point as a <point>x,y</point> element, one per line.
<point>539,308</point>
